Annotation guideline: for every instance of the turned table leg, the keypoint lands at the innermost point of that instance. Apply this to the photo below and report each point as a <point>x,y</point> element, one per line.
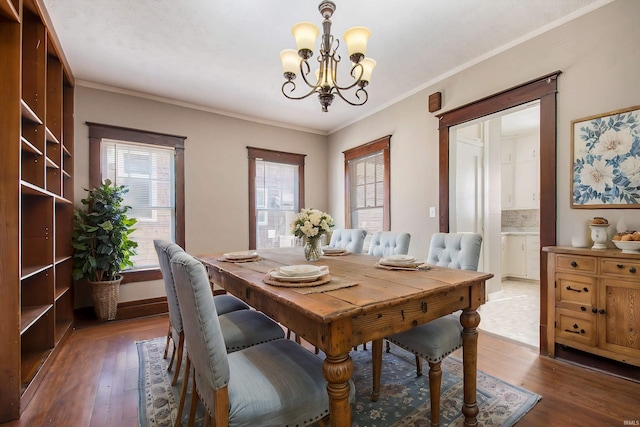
<point>337,370</point>
<point>470,320</point>
<point>376,362</point>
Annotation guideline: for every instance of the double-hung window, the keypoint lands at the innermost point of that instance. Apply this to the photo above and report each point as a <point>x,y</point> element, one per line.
<point>151,166</point>
<point>276,194</point>
<point>367,172</point>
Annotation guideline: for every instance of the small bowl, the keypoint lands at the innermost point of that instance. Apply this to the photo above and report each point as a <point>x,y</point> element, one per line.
<point>628,246</point>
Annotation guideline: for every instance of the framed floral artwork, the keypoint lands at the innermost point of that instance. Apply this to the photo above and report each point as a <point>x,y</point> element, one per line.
<point>605,152</point>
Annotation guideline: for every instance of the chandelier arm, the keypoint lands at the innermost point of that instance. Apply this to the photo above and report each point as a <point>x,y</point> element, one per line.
<point>289,82</point>
<point>355,83</point>
<point>304,74</point>
<point>356,93</point>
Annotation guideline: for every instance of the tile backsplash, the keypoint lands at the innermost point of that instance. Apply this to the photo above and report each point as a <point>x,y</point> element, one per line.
<point>521,220</point>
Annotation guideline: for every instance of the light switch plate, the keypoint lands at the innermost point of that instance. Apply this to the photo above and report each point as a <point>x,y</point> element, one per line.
<point>432,212</point>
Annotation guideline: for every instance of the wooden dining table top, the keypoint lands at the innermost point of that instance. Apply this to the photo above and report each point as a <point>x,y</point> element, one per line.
<point>372,289</point>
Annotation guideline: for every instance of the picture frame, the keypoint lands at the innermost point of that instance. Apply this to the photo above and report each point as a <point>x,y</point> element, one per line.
<point>605,156</point>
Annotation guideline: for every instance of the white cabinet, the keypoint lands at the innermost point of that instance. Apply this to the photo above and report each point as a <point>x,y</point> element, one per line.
<point>533,257</point>
<point>515,256</point>
<point>521,172</point>
<point>521,256</point>
<point>506,179</point>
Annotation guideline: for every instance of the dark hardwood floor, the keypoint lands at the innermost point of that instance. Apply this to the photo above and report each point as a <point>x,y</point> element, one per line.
<point>94,379</point>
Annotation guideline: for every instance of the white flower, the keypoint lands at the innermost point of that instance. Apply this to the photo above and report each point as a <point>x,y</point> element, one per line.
<point>630,168</point>
<point>613,143</point>
<point>311,223</point>
<point>597,175</point>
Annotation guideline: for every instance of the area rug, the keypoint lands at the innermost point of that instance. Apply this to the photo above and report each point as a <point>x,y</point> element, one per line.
<point>404,398</point>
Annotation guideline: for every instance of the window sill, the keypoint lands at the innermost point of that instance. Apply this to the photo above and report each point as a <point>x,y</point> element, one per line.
<point>141,275</point>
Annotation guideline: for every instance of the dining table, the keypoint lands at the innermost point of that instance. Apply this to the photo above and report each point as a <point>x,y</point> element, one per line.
<point>359,301</point>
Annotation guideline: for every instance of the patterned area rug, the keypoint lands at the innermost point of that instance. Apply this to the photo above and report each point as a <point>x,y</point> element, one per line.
<point>404,398</point>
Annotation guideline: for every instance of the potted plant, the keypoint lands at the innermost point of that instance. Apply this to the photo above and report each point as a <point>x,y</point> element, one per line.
<point>102,247</point>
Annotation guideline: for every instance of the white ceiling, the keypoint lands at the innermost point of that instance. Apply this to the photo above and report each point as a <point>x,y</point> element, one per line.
<point>222,55</point>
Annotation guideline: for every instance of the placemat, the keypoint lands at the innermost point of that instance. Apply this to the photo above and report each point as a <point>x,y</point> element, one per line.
<point>324,284</point>
<point>415,268</point>
<point>240,260</point>
<point>335,284</point>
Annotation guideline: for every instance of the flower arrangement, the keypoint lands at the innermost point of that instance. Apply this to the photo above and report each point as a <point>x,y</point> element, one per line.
<point>311,224</point>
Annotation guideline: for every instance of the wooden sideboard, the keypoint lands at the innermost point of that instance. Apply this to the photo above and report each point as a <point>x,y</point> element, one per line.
<point>595,301</point>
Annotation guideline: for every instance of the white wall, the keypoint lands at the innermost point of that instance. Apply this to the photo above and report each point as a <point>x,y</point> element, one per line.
<point>599,58</point>
<point>216,168</point>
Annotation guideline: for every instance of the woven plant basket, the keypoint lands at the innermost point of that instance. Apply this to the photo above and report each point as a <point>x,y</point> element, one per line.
<point>105,298</point>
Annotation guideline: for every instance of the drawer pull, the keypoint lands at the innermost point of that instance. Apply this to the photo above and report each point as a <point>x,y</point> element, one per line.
<point>594,310</point>
<point>569,288</point>
<point>581,331</point>
<point>631,269</point>
<point>574,264</point>
<point>583,308</point>
<point>601,311</point>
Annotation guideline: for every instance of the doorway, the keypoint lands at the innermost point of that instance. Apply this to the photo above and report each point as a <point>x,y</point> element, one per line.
<point>543,89</point>
<point>494,191</point>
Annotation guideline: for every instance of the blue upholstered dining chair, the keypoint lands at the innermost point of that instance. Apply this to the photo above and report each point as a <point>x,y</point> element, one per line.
<point>271,384</point>
<point>385,243</point>
<point>241,327</point>
<point>435,340</point>
<point>351,239</point>
<point>224,304</point>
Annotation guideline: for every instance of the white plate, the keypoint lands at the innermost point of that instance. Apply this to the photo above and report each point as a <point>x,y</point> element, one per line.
<point>283,278</point>
<point>302,270</point>
<point>628,247</point>
<point>399,258</point>
<point>328,250</point>
<point>240,255</point>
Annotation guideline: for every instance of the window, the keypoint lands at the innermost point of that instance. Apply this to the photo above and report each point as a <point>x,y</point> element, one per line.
<point>276,194</point>
<point>151,166</point>
<point>367,172</point>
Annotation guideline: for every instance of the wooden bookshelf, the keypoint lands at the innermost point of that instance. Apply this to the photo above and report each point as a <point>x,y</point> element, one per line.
<point>36,180</point>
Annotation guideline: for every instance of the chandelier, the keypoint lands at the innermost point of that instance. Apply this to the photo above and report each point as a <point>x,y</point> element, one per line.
<point>325,82</point>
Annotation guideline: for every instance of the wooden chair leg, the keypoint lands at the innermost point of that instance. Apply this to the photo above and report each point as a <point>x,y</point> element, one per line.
<point>183,391</point>
<point>376,366</point>
<point>166,347</point>
<point>435,380</point>
<point>418,366</point>
<point>173,355</point>
<point>179,359</point>
<point>194,400</point>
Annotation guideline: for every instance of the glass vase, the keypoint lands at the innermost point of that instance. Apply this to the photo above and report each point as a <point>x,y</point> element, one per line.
<point>313,249</point>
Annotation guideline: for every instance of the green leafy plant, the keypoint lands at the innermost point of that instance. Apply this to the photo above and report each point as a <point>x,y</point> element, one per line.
<point>102,247</point>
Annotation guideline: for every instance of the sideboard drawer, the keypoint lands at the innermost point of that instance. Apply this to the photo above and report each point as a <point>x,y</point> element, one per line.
<point>620,268</point>
<point>576,326</point>
<point>576,289</point>
<point>578,263</point>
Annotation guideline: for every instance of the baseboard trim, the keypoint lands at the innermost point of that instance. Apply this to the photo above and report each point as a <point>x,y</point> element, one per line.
<point>85,316</point>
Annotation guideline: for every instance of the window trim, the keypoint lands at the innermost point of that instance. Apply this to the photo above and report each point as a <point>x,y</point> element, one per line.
<point>273,156</point>
<point>381,144</point>
<point>97,132</point>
